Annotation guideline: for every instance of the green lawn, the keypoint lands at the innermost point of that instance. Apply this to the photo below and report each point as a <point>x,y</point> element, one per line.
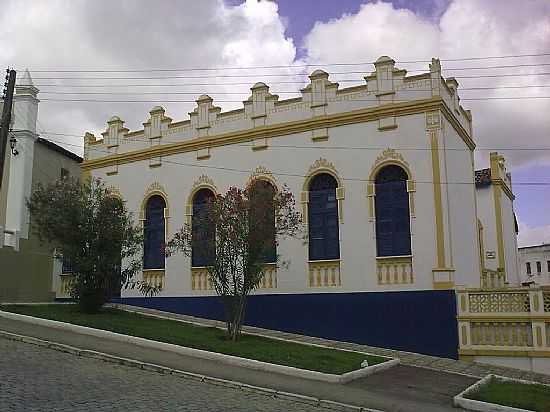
<point>210,339</point>
<point>534,397</point>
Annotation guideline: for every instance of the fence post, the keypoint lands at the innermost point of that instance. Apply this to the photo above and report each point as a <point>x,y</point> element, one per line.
<point>536,306</point>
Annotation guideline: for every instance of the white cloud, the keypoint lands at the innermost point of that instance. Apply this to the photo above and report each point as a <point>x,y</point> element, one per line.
<point>468,28</point>
<point>377,29</point>
<point>529,236</point>
<point>138,35</point>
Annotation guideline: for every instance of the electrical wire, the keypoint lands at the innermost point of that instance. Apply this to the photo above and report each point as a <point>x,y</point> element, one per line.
<point>478,58</point>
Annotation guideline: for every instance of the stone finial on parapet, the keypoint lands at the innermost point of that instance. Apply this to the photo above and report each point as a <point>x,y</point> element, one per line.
<point>115,132</point>
<point>384,80</point>
<point>89,138</point>
<point>452,84</point>
<point>259,103</point>
<point>435,75</point>
<point>156,123</point>
<point>384,75</point>
<point>499,173</point>
<point>204,114</point>
<point>318,91</point>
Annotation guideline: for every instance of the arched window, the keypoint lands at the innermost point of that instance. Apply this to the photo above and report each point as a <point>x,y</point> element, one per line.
<point>154,233</point>
<point>262,219</point>
<point>393,230</point>
<point>203,233</point>
<point>323,218</point>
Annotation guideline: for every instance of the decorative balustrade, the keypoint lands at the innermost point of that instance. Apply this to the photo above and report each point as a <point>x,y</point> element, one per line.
<point>507,322</point>
<point>501,333</point>
<point>269,281</point>
<point>546,301</point>
<point>65,284</point>
<point>154,277</point>
<point>324,273</point>
<point>494,302</point>
<point>394,270</point>
<point>200,279</point>
<point>492,279</point>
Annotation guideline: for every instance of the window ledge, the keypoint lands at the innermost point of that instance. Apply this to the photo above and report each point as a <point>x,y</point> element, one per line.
<point>324,260</point>
<point>393,257</point>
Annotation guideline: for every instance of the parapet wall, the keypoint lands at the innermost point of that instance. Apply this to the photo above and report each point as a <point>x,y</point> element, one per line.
<point>385,86</point>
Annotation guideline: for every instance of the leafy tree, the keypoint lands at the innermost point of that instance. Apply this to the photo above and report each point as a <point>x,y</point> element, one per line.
<point>94,231</point>
<point>238,233</point>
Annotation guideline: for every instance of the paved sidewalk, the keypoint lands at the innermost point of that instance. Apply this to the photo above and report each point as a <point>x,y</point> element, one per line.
<point>400,389</point>
<point>406,358</point>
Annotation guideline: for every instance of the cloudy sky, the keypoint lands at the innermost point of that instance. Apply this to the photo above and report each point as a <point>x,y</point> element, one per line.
<point>182,34</point>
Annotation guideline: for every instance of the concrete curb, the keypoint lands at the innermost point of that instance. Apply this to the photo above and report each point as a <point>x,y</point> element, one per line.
<point>186,375</point>
<point>472,405</point>
<point>202,354</point>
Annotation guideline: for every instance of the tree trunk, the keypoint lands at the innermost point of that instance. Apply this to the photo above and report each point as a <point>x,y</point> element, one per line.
<point>234,314</point>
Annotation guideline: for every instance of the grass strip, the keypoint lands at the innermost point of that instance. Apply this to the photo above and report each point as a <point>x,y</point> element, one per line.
<point>206,338</point>
<point>533,397</point>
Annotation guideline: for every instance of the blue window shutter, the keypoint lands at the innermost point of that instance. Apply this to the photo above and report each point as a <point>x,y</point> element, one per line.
<point>154,233</point>
<point>203,238</point>
<point>324,236</point>
<point>393,233</point>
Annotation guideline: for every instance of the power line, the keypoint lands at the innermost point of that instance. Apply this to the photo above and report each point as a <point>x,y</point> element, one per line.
<point>276,74</point>
<point>282,66</point>
<point>272,83</point>
<point>240,101</point>
<point>285,92</point>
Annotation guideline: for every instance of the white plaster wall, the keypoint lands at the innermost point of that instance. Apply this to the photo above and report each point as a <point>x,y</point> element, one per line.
<point>290,164</point>
<point>510,241</point>
<point>486,213</point>
<point>357,236</point>
<point>461,217</point>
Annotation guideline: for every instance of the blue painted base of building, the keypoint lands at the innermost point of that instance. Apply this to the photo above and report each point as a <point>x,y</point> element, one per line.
<point>416,321</point>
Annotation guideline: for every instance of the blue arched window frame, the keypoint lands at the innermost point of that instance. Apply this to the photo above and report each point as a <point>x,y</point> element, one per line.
<point>393,228</point>
<point>204,242</point>
<point>323,223</point>
<point>154,233</point>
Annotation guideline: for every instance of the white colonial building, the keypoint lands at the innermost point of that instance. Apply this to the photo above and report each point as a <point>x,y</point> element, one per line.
<point>384,175</point>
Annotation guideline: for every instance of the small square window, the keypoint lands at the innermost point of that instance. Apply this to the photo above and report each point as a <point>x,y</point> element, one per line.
<point>64,173</point>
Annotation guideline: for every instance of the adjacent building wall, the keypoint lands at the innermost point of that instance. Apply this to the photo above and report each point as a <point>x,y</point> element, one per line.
<point>27,273</point>
<point>534,254</point>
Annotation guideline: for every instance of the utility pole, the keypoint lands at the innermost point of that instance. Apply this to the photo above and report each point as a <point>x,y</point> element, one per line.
<point>7,96</point>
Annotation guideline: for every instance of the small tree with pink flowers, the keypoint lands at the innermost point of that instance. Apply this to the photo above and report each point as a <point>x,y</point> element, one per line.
<point>239,232</point>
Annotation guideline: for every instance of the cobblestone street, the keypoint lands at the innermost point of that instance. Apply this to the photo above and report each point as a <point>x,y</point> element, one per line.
<point>34,378</point>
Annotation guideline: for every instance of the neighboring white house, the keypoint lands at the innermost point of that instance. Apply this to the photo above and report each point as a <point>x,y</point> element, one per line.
<point>497,224</point>
<point>383,174</point>
<point>535,264</point>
